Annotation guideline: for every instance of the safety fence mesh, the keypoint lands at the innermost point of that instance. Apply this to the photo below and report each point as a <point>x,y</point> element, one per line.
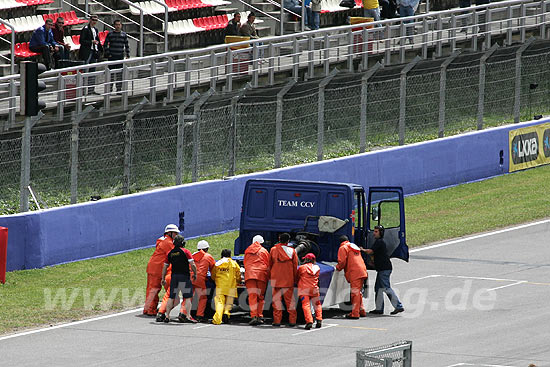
<point>290,123</point>
<point>397,354</point>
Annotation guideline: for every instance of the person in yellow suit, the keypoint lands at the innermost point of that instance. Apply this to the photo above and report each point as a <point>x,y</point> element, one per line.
<point>226,274</point>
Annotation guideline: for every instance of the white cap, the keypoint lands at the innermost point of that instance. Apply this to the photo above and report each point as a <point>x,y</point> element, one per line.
<point>171,228</point>
<point>202,245</point>
<point>258,238</point>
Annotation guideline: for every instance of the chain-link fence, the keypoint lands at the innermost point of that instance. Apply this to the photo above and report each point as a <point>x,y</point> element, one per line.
<point>213,135</point>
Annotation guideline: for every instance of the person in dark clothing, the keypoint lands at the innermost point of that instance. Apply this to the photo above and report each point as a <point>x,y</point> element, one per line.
<point>116,47</point>
<point>383,267</point>
<point>42,42</point>
<point>90,48</point>
<point>232,28</point>
<point>180,258</point>
<point>59,38</point>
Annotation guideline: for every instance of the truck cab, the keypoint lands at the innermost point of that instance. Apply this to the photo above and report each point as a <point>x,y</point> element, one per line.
<point>316,214</point>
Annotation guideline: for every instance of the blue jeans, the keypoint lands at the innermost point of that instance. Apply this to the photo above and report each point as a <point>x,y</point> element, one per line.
<point>372,13</point>
<point>92,59</point>
<point>382,286</point>
<point>313,20</point>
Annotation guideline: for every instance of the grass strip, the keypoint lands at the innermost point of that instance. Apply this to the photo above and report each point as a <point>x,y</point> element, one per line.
<point>32,298</point>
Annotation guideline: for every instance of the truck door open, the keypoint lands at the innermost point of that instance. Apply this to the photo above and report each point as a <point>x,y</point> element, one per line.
<point>386,207</point>
<point>359,220</point>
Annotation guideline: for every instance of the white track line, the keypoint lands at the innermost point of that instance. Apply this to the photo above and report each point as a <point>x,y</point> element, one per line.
<point>70,324</point>
<point>508,285</point>
<point>480,236</point>
<point>312,330</point>
<point>414,280</point>
<point>139,309</point>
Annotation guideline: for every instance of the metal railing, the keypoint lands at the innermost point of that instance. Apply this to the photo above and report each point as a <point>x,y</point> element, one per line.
<point>12,44</point>
<point>399,353</point>
<point>213,135</point>
<point>313,51</point>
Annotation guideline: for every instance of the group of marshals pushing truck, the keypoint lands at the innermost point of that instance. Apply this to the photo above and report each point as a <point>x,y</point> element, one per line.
<point>182,273</point>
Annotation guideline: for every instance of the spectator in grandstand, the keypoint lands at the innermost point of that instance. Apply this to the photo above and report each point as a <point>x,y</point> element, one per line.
<point>383,267</point>
<point>389,9</point>
<point>226,274</point>
<point>313,10</point>
<point>42,42</point>
<point>116,47</point>
<point>90,48</point>
<point>249,29</point>
<point>232,28</point>
<point>154,268</point>
<point>181,260</point>
<point>294,6</point>
<point>308,290</point>
<point>371,9</point>
<point>407,9</point>
<point>204,263</point>
<point>283,272</point>
<point>355,271</point>
<point>59,37</point>
<point>256,265</point>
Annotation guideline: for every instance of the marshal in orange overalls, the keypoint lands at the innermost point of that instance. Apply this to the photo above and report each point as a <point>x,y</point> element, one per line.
<point>283,272</point>
<point>351,261</point>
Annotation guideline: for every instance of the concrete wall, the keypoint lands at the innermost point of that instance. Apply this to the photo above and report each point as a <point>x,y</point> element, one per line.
<point>108,226</point>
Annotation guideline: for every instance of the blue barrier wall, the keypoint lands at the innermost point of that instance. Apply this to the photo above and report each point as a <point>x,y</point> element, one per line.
<point>107,226</point>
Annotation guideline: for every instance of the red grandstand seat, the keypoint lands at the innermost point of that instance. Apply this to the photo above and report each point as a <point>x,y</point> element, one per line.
<point>4,29</point>
<point>180,4</point>
<point>210,23</point>
<point>76,39</point>
<point>198,22</point>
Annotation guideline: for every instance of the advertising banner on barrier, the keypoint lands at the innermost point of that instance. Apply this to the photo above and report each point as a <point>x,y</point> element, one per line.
<point>529,147</point>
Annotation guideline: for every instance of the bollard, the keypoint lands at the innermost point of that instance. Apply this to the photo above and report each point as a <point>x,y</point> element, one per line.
<point>3,253</point>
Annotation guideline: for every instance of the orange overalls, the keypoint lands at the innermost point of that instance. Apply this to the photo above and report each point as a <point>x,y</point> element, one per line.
<point>351,261</point>
<point>256,267</point>
<point>154,274</point>
<point>204,263</point>
<point>283,271</point>
<point>308,288</point>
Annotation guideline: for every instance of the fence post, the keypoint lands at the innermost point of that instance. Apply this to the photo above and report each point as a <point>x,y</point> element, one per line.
<point>107,88</point>
<point>60,97</point>
<point>407,355</point>
<point>279,121</point>
<point>542,19</point>
<point>26,161</point>
<point>326,45</point>
<point>271,69</point>
<point>255,64</point>
<point>517,89</point>
<point>213,70</point>
<point>439,47</point>
<point>387,46</point>
<point>79,91</point>
<point>124,86</point>
<point>310,56</point>
<point>443,90</point>
<point>350,50</point>
<point>180,136</point>
<point>234,121</point>
<point>128,132</point>
<point>12,105</point>
<point>153,83</point>
<point>364,104</point>
<point>321,113</point>
<point>187,75</point>
<point>403,97</point>
<point>171,79</point>
<point>425,38</point>
<point>295,59</point>
<point>196,134</point>
<point>74,151</point>
<point>481,96</point>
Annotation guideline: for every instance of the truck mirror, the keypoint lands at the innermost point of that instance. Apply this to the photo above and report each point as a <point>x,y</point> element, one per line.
<point>330,224</point>
<point>375,213</point>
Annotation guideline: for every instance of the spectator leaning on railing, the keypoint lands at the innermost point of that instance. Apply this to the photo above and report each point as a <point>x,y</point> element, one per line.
<point>42,42</point>
<point>371,9</point>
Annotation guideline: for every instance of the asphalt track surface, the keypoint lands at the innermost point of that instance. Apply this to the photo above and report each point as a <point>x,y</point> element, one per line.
<point>482,301</point>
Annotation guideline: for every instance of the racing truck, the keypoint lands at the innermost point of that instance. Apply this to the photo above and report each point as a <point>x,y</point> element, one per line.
<point>316,214</point>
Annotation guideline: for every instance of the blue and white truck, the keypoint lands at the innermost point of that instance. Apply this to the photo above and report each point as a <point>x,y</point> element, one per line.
<point>316,214</point>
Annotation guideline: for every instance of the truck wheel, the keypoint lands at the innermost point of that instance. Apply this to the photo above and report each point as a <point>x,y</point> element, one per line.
<point>345,306</point>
